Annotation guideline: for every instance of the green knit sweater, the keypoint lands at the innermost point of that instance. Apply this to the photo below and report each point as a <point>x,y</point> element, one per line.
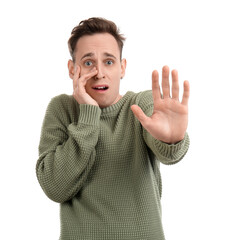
<point>103,169</point>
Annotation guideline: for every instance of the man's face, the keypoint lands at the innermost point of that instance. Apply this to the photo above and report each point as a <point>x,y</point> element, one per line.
<point>102,52</point>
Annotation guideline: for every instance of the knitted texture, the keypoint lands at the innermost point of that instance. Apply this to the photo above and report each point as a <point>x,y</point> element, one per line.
<point>103,169</point>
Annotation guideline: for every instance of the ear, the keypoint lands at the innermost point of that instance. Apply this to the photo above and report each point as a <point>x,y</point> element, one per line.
<point>71,68</point>
<point>123,67</point>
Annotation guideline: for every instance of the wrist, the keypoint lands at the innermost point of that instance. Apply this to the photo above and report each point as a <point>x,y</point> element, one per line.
<point>89,114</point>
<point>88,100</point>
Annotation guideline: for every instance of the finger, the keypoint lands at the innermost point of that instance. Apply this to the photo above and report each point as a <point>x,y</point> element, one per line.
<point>139,114</point>
<point>175,85</point>
<point>84,78</point>
<point>165,82</point>
<point>76,76</point>
<point>155,86</point>
<point>186,93</point>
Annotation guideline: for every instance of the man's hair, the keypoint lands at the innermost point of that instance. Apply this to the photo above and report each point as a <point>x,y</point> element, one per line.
<point>92,26</point>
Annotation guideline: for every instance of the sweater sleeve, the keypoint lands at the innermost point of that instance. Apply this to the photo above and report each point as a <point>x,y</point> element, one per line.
<point>165,153</point>
<point>66,150</point>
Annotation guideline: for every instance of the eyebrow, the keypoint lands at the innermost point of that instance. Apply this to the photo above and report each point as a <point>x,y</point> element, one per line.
<point>91,54</point>
<point>109,55</point>
<point>87,55</point>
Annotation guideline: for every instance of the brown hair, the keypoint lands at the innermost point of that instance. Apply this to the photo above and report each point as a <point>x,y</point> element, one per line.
<point>92,26</point>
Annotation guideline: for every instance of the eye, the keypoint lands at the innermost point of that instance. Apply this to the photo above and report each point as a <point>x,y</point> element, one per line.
<point>109,62</point>
<point>88,63</point>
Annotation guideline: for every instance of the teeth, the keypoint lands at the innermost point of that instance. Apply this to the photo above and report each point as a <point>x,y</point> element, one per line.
<point>100,88</point>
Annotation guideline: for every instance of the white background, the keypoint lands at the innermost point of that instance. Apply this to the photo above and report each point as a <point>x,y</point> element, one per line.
<point>186,35</point>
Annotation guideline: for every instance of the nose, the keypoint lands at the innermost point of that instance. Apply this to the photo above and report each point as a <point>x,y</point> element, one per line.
<point>100,73</point>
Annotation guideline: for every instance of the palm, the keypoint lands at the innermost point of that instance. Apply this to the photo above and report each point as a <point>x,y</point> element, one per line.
<point>169,120</point>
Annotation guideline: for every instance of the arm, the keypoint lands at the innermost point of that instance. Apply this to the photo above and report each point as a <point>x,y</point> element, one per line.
<point>67,151</point>
<point>167,153</point>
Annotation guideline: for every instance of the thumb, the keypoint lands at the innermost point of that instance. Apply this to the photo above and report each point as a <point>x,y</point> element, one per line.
<point>139,114</point>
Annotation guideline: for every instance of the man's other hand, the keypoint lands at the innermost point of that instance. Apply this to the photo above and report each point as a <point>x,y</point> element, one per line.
<point>169,120</point>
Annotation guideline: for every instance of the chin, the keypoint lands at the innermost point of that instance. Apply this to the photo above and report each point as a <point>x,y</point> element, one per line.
<point>104,105</point>
<point>102,102</point>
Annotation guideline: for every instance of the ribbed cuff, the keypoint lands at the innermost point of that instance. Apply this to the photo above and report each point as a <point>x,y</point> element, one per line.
<point>89,114</point>
<point>168,153</point>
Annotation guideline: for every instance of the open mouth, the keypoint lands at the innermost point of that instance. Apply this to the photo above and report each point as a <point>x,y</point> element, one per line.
<point>100,88</point>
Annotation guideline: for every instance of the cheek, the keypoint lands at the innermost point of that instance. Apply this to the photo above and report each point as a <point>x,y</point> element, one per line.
<point>83,71</point>
<point>116,84</point>
<point>116,73</point>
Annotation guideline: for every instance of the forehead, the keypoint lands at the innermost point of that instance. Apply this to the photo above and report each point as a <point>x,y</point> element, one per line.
<point>97,44</point>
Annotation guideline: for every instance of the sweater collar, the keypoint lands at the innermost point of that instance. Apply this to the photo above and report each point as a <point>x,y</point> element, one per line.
<point>117,106</point>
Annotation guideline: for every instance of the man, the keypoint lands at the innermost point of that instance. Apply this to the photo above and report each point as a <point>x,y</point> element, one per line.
<point>100,151</point>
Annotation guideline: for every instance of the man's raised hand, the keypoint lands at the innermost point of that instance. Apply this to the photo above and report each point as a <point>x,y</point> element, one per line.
<point>79,82</point>
<point>169,120</point>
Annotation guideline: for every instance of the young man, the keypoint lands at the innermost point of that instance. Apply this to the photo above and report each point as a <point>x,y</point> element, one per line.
<point>100,151</point>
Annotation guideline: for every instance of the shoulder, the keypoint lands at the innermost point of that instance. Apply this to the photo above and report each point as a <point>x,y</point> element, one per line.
<point>143,99</point>
<point>62,101</point>
<point>63,106</point>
